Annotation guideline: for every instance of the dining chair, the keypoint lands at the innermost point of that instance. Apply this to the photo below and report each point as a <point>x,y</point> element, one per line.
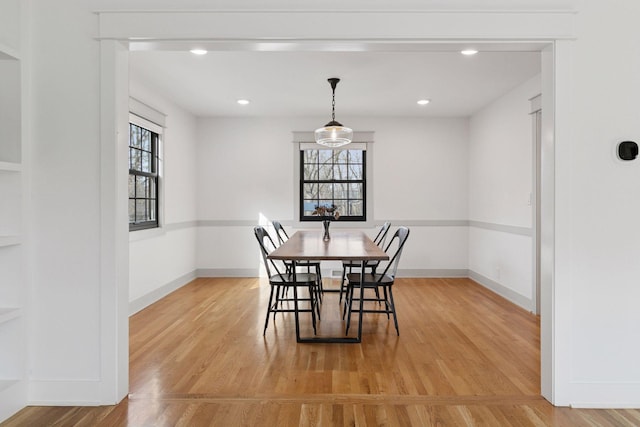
<point>282,278</point>
<point>282,237</point>
<point>348,266</point>
<point>384,280</point>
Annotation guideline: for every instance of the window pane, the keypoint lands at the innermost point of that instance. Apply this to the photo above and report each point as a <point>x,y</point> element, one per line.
<point>152,209</point>
<point>132,210</point>
<point>142,188</point>
<point>132,187</point>
<point>134,136</point>
<point>355,156</point>
<point>145,139</point>
<point>153,192</point>
<point>340,191</point>
<point>135,159</point>
<point>340,172</point>
<point>309,206</point>
<point>326,203</point>
<point>310,156</point>
<point>141,210</point>
<point>311,171</point>
<point>310,191</point>
<point>356,208</point>
<point>325,192</point>
<point>355,172</point>
<point>326,171</point>
<point>325,156</point>
<point>355,191</point>
<point>341,156</point>
<point>146,161</point>
<point>341,207</point>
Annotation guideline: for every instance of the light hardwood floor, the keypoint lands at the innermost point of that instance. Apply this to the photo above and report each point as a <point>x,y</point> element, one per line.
<point>464,357</point>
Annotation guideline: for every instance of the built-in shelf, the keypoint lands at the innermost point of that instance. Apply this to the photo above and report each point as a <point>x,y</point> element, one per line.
<point>9,313</point>
<point>9,241</point>
<point>10,167</point>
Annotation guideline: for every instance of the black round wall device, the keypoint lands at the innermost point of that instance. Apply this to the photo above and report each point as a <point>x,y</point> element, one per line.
<point>627,150</point>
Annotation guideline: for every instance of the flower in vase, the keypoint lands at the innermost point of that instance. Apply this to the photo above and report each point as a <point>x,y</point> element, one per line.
<point>327,212</point>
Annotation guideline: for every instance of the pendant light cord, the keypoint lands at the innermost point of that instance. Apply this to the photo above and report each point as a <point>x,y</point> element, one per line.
<point>333,106</point>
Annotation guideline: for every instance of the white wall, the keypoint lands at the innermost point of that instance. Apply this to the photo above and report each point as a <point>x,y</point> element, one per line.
<point>598,206</point>
<point>162,260</point>
<point>500,191</point>
<point>246,175</point>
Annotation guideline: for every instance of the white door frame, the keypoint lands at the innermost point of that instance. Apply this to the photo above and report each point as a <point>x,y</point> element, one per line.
<point>287,30</point>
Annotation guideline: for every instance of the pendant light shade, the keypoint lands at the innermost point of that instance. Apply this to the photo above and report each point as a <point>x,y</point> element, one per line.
<point>333,134</point>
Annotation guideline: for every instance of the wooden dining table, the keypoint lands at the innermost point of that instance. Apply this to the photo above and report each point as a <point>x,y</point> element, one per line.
<point>347,245</point>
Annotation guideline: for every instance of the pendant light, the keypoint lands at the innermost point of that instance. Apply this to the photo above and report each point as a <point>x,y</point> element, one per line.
<point>333,134</point>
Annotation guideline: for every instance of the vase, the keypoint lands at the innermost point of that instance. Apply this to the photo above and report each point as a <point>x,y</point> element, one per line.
<point>326,235</point>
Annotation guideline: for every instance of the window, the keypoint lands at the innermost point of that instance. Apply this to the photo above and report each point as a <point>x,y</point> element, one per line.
<point>144,145</point>
<point>333,177</point>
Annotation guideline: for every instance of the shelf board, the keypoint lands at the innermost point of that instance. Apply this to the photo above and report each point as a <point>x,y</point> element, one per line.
<point>10,166</point>
<point>9,241</point>
<point>9,313</point>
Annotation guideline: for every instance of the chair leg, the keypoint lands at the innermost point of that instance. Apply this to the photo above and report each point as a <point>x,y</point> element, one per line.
<point>320,284</point>
<point>314,305</point>
<point>342,288</point>
<point>347,290</point>
<point>393,310</point>
<point>319,288</point>
<point>386,299</point>
<point>348,312</point>
<point>266,322</point>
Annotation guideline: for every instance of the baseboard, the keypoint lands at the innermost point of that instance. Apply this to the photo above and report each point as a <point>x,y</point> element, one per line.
<point>503,291</point>
<point>155,295</point>
<point>433,272</point>
<point>66,392</point>
<point>605,395</point>
<point>228,272</point>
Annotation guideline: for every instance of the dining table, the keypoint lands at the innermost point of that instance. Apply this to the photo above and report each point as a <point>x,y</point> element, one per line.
<point>343,245</point>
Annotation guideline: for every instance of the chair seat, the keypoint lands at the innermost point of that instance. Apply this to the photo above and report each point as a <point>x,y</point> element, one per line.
<point>302,279</point>
<point>370,280</point>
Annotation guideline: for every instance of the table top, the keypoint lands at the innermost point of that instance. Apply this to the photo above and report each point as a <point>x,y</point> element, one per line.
<point>343,245</point>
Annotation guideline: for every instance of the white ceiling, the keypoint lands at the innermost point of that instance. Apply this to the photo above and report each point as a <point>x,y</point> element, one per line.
<point>294,83</point>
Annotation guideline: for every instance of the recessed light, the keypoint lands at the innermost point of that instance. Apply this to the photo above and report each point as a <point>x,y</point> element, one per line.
<point>198,51</point>
<point>469,52</point>
<point>243,101</point>
<point>424,101</point>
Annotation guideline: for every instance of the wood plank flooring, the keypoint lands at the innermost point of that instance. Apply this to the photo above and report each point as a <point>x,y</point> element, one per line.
<point>464,357</point>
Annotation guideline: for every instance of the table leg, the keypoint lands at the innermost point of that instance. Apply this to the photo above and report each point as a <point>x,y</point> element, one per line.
<point>361,311</point>
<point>295,304</point>
<point>348,340</point>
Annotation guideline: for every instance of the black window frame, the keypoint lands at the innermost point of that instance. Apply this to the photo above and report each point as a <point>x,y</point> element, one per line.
<point>363,181</point>
<point>153,196</point>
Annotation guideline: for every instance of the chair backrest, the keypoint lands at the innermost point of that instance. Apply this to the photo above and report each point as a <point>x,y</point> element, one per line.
<point>280,233</point>
<point>266,247</point>
<point>382,234</point>
<point>395,244</point>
